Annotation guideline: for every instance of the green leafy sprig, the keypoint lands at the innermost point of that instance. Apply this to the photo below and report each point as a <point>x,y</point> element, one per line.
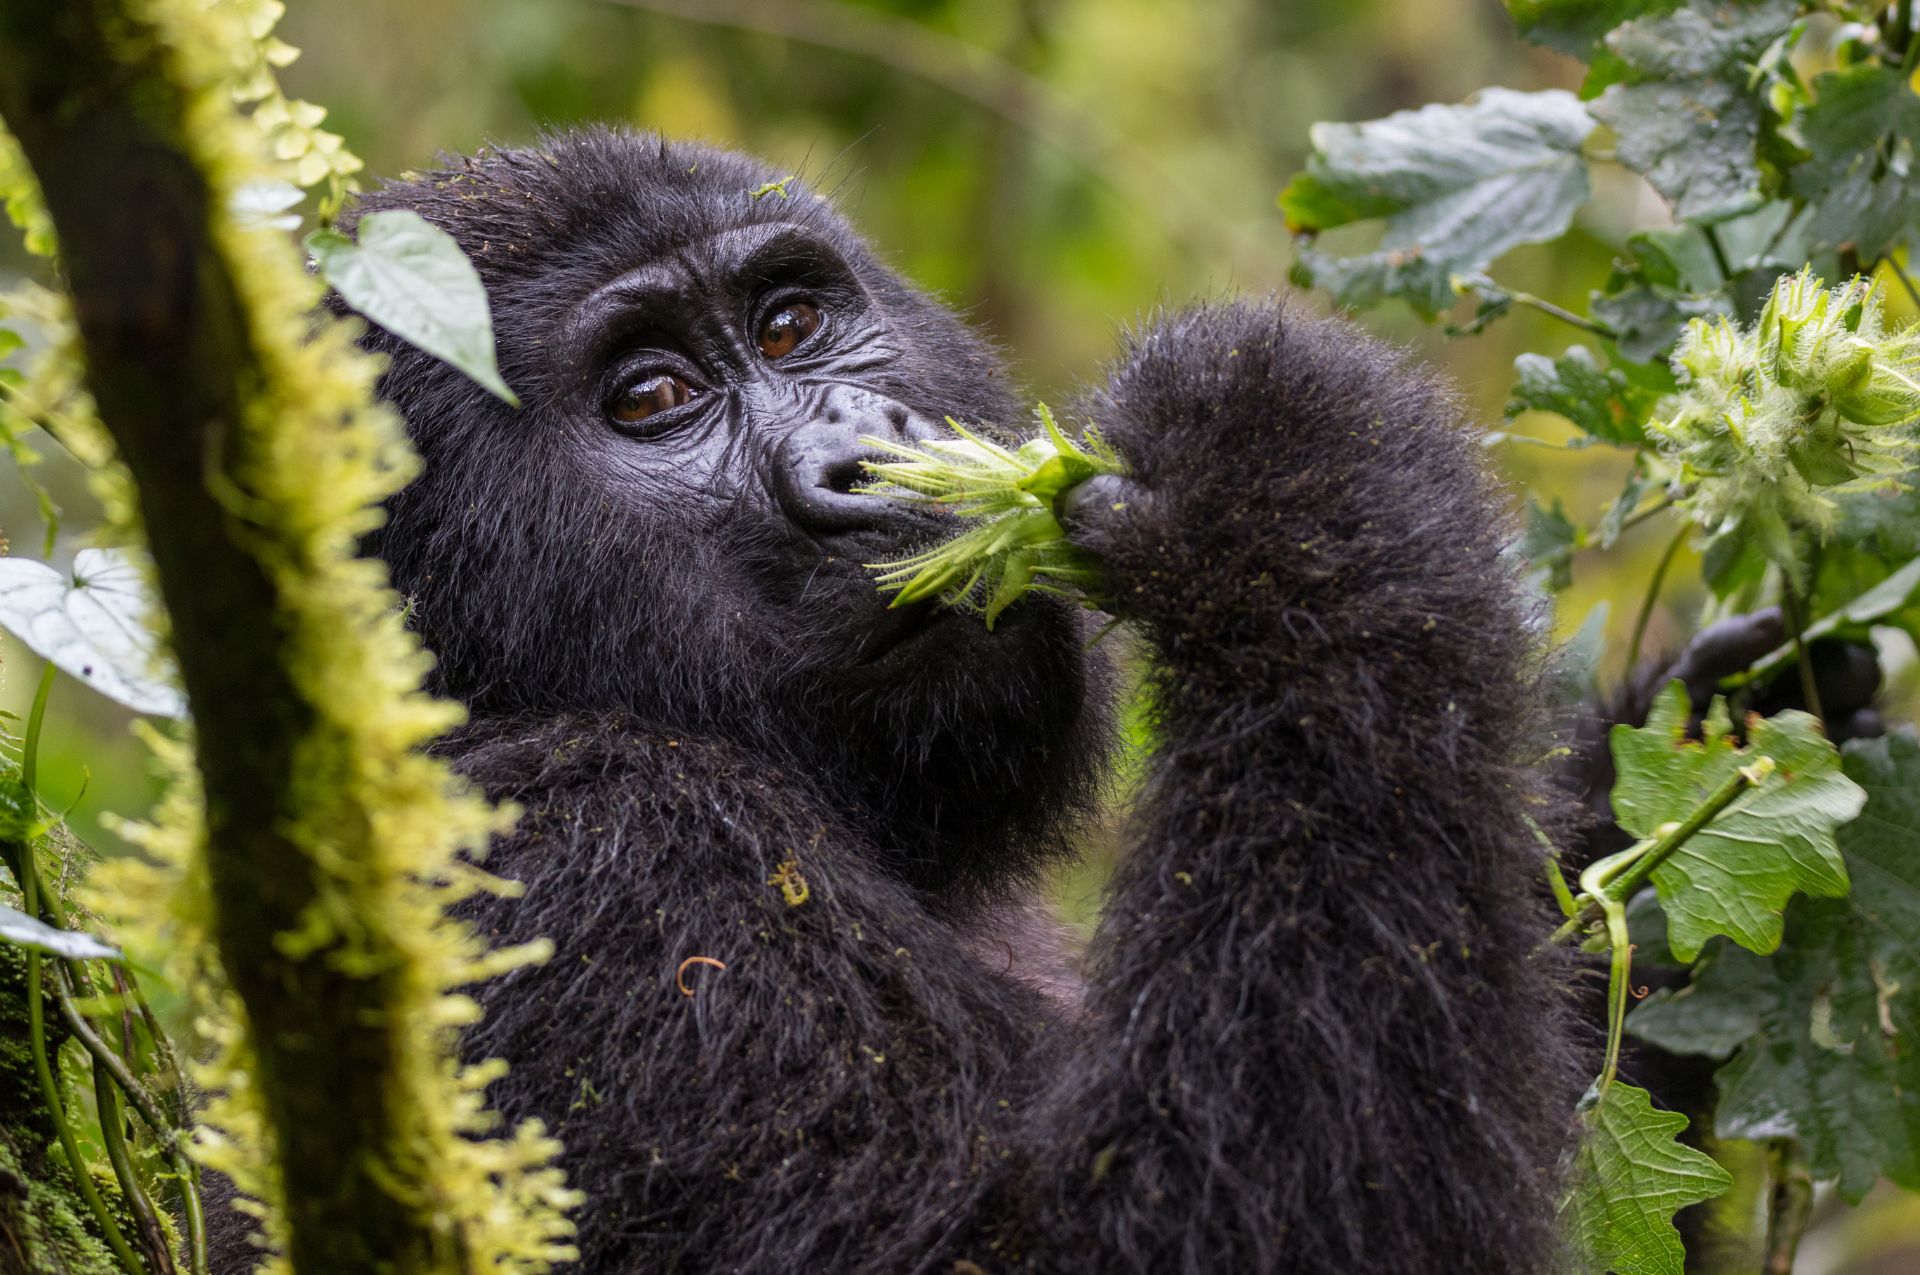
<point>1012,496</point>
<point>1815,398</point>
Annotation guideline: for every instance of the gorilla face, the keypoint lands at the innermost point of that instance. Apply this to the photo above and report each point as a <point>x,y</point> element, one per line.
<point>669,524</point>
<point>725,389</point>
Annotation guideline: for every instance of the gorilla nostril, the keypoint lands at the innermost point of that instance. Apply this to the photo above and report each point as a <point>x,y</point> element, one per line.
<point>897,417</point>
<point>834,416</point>
<point>843,475</point>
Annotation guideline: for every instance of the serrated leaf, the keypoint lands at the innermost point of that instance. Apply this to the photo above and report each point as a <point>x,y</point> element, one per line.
<point>1734,876</point>
<point>1458,186</point>
<point>21,930</point>
<point>1596,399</point>
<point>1860,177</point>
<point>1646,320</point>
<point>1630,1177</point>
<point>1830,1051</point>
<point>93,625</point>
<point>1683,112</point>
<point>411,278</point>
<point>1549,543</point>
<point>1576,26</point>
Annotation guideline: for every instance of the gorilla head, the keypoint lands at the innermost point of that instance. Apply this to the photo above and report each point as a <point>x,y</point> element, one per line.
<point>668,525</point>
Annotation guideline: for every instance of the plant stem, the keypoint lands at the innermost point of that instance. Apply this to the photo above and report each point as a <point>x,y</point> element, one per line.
<point>1635,871</point>
<point>30,748</point>
<point>1893,263</point>
<point>1789,1204</point>
<point>1564,315</point>
<point>1653,597</point>
<point>50,1091</point>
<point>113,1136</point>
<point>1796,624</point>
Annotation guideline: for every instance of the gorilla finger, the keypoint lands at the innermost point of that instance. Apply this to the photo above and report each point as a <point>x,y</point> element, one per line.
<point>1087,510</point>
<point>1723,649</point>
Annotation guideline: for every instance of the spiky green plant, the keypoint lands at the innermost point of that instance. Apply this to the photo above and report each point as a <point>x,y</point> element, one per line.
<point>1012,497</point>
<point>1816,398</point>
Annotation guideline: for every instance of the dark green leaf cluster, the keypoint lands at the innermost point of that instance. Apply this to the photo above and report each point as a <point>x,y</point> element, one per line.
<point>1741,354</point>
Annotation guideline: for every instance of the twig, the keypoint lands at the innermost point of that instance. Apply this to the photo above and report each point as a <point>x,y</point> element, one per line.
<point>1652,599</point>
<point>1797,623</point>
<point>1789,1204</point>
<point>1563,314</point>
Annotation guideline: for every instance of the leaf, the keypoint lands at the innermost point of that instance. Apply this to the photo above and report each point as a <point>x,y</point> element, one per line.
<point>1647,320</point>
<point>263,205</point>
<point>411,278</point>
<point>1598,400</point>
<point>1549,543</point>
<point>1684,113</point>
<point>1735,875</point>
<point>1827,1031</point>
<point>92,625</point>
<point>21,930</point>
<point>1630,1177</point>
<point>1860,177</point>
<point>1458,186</point>
<point>1576,26</point>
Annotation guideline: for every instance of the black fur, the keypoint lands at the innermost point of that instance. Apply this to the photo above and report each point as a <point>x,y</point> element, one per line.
<point>1313,1036</point>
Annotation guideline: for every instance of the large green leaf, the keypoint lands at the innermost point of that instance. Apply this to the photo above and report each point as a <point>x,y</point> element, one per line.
<point>1457,185</point>
<point>1860,178</point>
<point>1827,1031</point>
<point>1597,399</point>
<point>411,278</point>
<point>1684,112</point>
<point>1629,1178</point>
<point>1735,875</point>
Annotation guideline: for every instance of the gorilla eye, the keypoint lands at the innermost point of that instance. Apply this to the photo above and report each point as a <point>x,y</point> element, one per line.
<point>642,398</point>
<point>787,327</point>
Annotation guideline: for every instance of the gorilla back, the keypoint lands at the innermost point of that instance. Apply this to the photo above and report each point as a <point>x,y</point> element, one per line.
<point>800,1016</point>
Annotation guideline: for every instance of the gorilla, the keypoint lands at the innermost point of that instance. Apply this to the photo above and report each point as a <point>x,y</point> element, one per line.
<point>804,1012</point>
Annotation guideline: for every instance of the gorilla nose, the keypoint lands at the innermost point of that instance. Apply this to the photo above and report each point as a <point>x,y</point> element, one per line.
<point>818,465</point>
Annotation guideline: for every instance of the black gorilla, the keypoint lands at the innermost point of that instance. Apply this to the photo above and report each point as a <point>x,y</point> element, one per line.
<point>801,1016</point>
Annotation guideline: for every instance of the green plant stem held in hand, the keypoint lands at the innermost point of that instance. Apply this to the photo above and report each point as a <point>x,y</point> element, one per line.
<point>1012,496</point>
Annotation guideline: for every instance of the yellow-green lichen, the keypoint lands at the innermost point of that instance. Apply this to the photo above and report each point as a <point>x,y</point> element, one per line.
<point>382,825</point>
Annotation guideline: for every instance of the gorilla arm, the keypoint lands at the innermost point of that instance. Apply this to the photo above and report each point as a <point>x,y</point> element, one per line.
<point>1321,1040</point>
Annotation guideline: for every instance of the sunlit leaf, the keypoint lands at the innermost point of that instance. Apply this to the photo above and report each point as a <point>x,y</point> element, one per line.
<point>411,278</point>
<point>1630,1176</point>
<point>1825,1034</point>
<point>93,625</point>
<point>1735,875</point>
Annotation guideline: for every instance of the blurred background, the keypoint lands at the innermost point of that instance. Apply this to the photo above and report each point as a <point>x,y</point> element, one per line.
<point>1053,168</point>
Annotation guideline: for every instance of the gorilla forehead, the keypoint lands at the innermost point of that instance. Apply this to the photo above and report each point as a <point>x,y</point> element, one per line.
<point>594,203</point>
